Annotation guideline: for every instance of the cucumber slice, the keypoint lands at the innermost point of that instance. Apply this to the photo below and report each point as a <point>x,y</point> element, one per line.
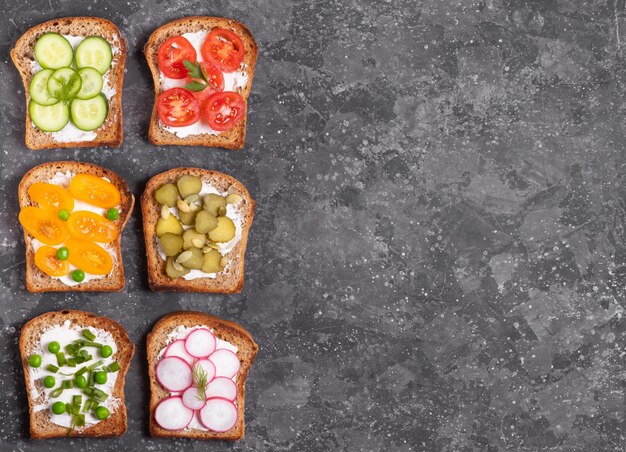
<point>49,118</point>
<point>92,83</point>
<point>94,52</point>
<point>89,114</point>
<point>39,88</point>
<point>53,51</point>
<point>61,86</point>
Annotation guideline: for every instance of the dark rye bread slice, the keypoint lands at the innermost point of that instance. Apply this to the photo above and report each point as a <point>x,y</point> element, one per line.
<point>222,329</point>
<point>228,281</point>
<point>40,425</point>
<point>38,281</point>
<point>232,139</point>
<point>111,132</point>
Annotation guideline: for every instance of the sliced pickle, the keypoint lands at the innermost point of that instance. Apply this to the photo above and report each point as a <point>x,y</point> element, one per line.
<point>169,224</point>
<point>166,195</point>
<point>172,244</point>
<point>212,262</point>
<point>188,185</point>
<point>191,238</point>
<point>187,218</point>
<point>195,261</point>
<point>173,272</point>
<point>224,231</point>
<point>212,203</point>
<point>205,221</point>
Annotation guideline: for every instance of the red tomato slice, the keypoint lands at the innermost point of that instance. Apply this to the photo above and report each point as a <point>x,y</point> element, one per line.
<point>215,78</point>
<point>172,53</point>
<point>222,111</point>
<point>177,107</point>
<point>224,49</point>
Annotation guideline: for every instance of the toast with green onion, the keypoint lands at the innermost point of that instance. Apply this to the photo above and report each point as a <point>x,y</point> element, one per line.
<point>41,425</point>
<point>110,133</point>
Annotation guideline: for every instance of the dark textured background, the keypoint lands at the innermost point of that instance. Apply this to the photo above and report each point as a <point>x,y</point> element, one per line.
<point>438,256</point>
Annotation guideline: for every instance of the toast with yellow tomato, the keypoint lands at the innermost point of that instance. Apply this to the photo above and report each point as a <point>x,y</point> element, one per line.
<point>73,215</point>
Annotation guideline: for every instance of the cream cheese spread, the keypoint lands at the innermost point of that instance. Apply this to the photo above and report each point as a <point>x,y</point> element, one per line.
<point>232,81</point>
<point>65,334</point>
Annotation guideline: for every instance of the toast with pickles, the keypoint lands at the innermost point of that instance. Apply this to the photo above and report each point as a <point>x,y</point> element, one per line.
<point>72,69</point>
<point>196,224</point>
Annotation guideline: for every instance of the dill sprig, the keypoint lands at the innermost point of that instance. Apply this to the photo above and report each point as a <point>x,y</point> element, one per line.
<point>63,93</point>
<point>200,377</point>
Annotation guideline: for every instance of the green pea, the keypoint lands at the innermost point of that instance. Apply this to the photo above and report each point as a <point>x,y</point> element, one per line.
<point>112,214</point>
<point>64,214</point>
<point>100,377</point>
<point>34,360</point>
<point>58,408</point>
<point>106,351</point>
<point>78,275</point>
<point>102,413</point>
<point>80,382</point>
<point>48,382</point>
<point>54,347</point>
<point>63,253</point>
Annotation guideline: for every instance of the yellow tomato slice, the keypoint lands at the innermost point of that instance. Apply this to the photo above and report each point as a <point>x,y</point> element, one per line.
<point>44,225</point>
<point>50,196</point>
<point>89,257</point>
<point>95,190</point>
<point>87,225</point>
<point>46,261</point>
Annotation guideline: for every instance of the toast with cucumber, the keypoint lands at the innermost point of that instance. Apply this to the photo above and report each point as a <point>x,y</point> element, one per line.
<point>72,69</point>
<point>196,224</point>
<point>73,215</point>
<point>198,365</point>
<point>75,364</point>
<point>202,68</point>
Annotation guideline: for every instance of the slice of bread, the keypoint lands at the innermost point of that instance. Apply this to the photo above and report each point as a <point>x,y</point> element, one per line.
<point>222,329</point>
<point>38,281</point>
<point>40,425</point>
<point>232,139</point>
<point>229,280</point>
<point>111,132</point>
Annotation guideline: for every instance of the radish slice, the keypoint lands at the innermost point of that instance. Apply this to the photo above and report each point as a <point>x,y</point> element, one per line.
<point>222,387</point>
<point>177,348</point>
<point>219,415</point>
<point>174,374</point>
<point>171,414</point>
<point>226,363</point>
<point>191,400</point>
<point>208,367</point>
<point>200,343</point>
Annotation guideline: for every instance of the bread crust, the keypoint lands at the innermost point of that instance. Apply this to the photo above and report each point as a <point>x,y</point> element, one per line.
<point>111,133</point>
<point>228,281</point>
<point>36,280</point>
<point>223,329</point>
<point>40,425</point>
<point>232,139</point>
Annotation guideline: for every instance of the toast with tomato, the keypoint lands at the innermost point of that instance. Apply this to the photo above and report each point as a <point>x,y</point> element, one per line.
<point>73,215</point>
<point>202,68</point>
<point>85,117</point>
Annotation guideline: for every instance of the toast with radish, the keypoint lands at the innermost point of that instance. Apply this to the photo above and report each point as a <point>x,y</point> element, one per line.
<point>62,353</point>
<point>73,215</point>
<point>72,69</point>
<point>202,68</point>
<point>196,224</point>
<point>198,365</point>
